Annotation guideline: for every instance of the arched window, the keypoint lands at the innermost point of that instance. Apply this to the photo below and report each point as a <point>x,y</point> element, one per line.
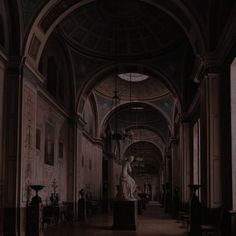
<point>52,76</point>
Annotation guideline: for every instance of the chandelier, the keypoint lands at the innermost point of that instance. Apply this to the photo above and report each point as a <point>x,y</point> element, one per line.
<point>126,133</point>
<point>117,135</point>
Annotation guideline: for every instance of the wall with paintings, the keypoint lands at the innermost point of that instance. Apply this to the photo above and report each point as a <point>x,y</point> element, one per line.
<point>89,166</point>
<point>89,118</point>
<point>45,138</point>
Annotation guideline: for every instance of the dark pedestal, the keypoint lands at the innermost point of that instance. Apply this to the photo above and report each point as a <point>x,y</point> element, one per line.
<point>34,220</point>
<point>125,215</point>
<point>82,209</point>
<point>140,207</point>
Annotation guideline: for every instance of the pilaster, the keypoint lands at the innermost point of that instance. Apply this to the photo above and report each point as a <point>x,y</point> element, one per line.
<point>12,123</point>
<point>210,141</point>
<point>185,155</point>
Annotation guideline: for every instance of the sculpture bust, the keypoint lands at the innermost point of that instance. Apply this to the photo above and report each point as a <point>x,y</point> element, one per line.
<point>127,183</point>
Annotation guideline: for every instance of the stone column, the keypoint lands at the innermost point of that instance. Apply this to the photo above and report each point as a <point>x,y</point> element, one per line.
<point>79,163</point>
<point>167,168</point>
<point>233,145</point>
<point>185,143</point>
<point>12,123</point>
<point>167,196</point>
<point>2,81</point>
<point>210,141</point>
<point>175,163</point>
<point>72,166</point>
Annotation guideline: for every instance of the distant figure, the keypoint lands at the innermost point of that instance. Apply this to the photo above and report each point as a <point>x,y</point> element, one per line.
<point>127,183</point>
<point>81,192</point>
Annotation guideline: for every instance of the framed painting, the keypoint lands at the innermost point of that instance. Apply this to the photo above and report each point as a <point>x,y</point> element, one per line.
<point>49,144</point>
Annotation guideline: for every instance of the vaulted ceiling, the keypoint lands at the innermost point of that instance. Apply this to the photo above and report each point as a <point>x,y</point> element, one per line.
<point>165,40</point>
<point>121,28</point>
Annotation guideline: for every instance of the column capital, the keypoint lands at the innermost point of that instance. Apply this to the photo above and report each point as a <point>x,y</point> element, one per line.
<point>185,121</point>
<point>173,140</point>
<point>207,64</point>
<point>185,118</point>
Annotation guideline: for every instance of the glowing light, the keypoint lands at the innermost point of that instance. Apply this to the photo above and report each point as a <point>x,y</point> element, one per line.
<point>135,77</point>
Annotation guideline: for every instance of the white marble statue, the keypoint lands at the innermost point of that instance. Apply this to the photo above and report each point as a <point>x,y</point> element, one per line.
<point>127,183</point>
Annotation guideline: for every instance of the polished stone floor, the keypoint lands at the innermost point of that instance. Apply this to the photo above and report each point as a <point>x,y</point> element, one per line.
<point>153,222</point>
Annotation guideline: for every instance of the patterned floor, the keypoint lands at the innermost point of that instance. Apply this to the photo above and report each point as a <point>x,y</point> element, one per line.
<point>153,222</point>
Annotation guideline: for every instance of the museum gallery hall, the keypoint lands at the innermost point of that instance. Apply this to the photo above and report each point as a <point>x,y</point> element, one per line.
<point>118,117</point>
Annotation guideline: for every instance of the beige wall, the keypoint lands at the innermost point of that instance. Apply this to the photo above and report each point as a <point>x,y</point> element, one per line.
<point>89,156</point>
<point>36,113</point>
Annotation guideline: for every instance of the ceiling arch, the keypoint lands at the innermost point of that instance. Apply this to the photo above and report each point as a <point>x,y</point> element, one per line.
<point>154,88</point>
<point>114,69</point>
<point>149,118</point>
<point>187,20</point>
<point>144,134</point>
<point>147,154</point>
<point>55,12</point>
<point>12,27</point>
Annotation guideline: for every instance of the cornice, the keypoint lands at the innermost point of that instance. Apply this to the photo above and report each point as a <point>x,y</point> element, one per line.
<point>208,64</point>
<point>36,73</point>
<point>93,140</point>
<point>80,122</point>
<point>46,97</point>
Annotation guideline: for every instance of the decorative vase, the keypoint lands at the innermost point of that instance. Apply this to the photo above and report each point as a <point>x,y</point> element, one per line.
<point>36,199</point>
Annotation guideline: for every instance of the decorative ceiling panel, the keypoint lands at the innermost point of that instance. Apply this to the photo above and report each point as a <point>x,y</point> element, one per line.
<point>147,89</point>
<point>112,28</point>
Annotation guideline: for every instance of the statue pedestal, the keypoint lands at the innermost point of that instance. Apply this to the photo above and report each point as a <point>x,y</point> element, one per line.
<point>125,215</point>
<point>140,207</point>
<point>34,213</point>
<point>34,220</point>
